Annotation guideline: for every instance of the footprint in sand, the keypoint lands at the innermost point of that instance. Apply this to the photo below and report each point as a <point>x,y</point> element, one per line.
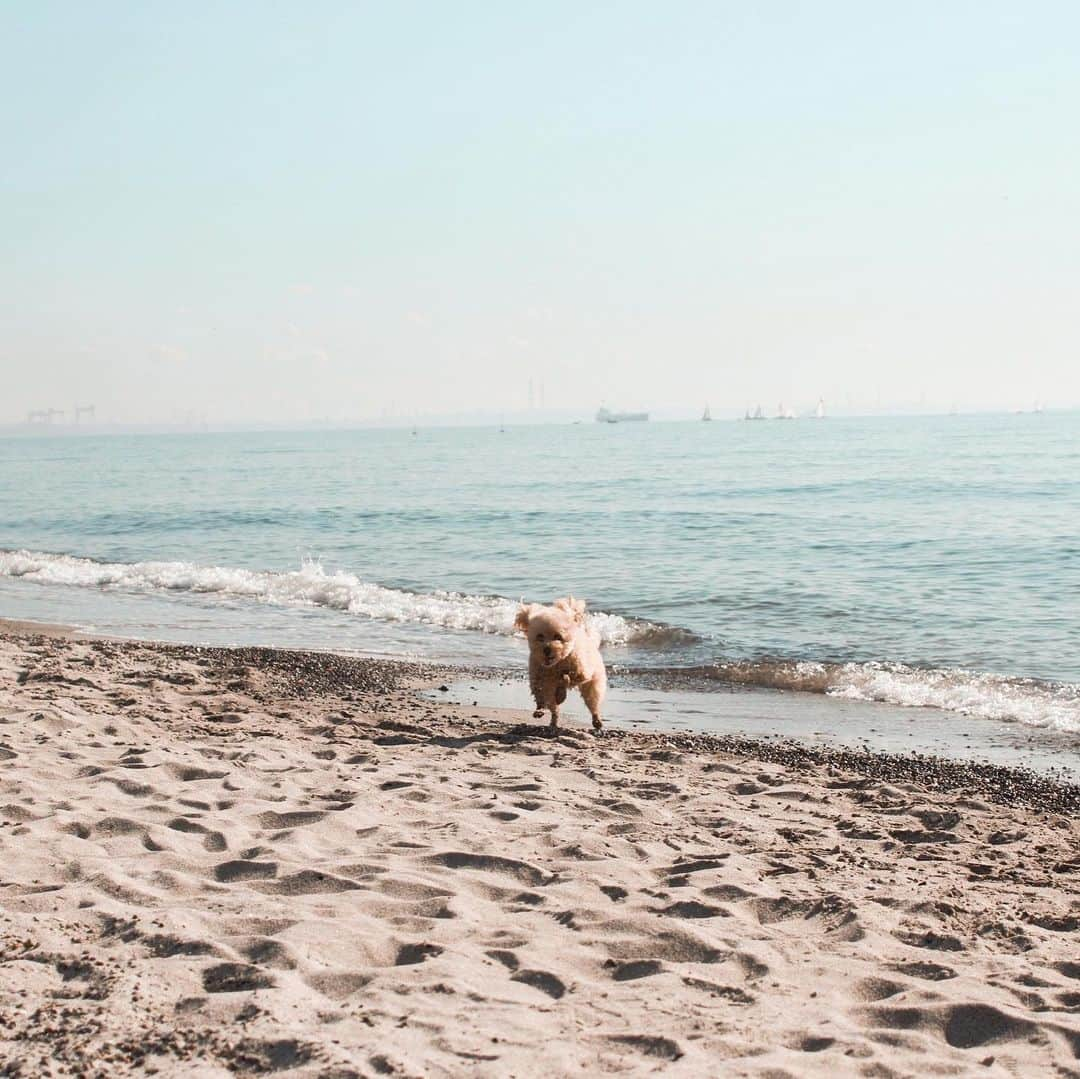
<point>523,871</point>
<point>239,869</point>
<point>296,819</point>
<point>411,954</point>
<point>130,787</point>
<point>508,959</point>
<point>649,1045</point>
<point>110,826</point>
<point>166,946</point>
<point>939,942</point>
<point>249,1056</point>
<point>542,980</point>
<point>681,870</point>
<point>931,972</point>
<point>191,773</point>
<point>212,841</point>
<point>869,990</point>
<point>235,978</point>
<point>310,882</point>
<point>634,969</point>
<point>614,892</point>
<point>268,953</point>
<point>963,1026</point>
<point>673,946</point>
<point>731,993</point>
<point>691,909</point>
<point>337,985</point>
<point>810,1043</point>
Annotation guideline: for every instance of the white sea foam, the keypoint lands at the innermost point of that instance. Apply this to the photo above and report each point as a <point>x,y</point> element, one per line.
<point>309,586</point>
<point>1017,700</point>
<point>1053,705</point>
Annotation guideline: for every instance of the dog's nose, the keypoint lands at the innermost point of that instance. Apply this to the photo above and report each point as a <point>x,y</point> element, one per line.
<point>547,652</point>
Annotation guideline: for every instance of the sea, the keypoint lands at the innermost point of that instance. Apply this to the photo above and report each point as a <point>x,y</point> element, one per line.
<point>874,575</point>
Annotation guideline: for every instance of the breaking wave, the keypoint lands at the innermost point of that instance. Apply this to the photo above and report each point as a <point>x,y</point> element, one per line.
<point>1037,703</point>
<point>309,586</point>
<point>1054,705</point>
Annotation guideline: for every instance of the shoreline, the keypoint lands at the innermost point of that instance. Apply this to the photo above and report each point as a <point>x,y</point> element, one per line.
<point>1007,784</point>
<point>252,860</point>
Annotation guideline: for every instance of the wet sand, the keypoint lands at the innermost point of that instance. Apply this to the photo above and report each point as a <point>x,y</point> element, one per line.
<point>811,719</point>
<point>220,861</point>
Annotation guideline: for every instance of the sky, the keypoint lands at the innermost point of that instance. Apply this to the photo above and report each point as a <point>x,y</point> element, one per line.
<point>262,212</point>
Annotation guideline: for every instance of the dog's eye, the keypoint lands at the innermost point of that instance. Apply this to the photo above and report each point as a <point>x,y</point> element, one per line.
<point>539,636</point>
<point>557,638</point>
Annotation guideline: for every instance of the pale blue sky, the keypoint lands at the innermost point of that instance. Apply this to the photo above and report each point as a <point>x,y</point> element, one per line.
<point>281,212</point>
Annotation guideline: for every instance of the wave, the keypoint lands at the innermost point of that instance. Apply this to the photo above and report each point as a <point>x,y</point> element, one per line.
<point>310,586</point>
<point>1053,705</point>
<point>1050,705</point>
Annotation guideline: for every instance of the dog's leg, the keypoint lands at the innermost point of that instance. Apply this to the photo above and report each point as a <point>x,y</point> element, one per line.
<point>593,695</point>
<point>545,699</point>
<point>557,698</point>
<point>537,686</point>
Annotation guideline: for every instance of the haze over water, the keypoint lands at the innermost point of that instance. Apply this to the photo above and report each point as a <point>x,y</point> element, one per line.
<point>890,559</point>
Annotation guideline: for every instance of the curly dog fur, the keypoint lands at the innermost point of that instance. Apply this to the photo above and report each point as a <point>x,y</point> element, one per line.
<point>564,652</point>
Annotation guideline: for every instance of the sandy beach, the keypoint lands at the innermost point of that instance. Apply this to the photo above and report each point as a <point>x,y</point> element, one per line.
<point>244,861</point>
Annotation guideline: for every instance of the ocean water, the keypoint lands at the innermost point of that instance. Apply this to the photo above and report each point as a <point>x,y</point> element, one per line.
<point>923,561</point>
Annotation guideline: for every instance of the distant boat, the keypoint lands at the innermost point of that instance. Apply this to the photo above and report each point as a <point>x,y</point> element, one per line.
<point>1037,407</point>
<point>605,415</point>
<point>758,414</point>
<point>819,412</point>
<point>706,416</point>
<point>784,413</point>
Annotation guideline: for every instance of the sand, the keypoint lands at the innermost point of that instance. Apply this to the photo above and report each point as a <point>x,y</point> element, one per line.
<point>221,862</point>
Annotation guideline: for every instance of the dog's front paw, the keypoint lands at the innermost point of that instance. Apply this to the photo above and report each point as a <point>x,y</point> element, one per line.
<point>538,714</point>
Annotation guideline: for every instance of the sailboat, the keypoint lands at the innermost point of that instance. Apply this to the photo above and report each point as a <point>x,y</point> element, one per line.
<point>706,416</point>
<point>819,412</point>
<point>784,413</point>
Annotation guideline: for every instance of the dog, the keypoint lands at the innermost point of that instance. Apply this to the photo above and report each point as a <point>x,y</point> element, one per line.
<point>564,651</point>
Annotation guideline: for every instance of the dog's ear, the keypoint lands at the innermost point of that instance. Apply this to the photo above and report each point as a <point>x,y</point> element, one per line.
<point>573,607</point>
<point>521,619</point>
